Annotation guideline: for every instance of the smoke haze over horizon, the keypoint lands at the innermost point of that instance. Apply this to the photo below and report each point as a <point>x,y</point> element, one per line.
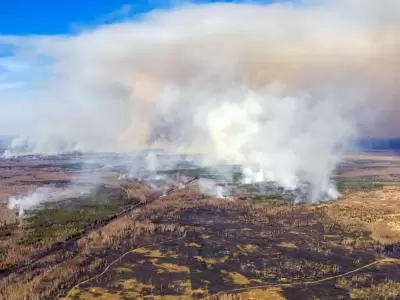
<point>281,89</point>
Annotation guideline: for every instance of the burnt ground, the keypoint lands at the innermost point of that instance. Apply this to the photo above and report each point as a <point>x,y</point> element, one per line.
<point>188,246</point>
<point>229,246</point>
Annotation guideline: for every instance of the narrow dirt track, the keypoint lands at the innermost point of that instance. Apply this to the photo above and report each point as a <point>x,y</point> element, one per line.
<point>115,261</point>
<point>71,242</point>
<point>297,284</point>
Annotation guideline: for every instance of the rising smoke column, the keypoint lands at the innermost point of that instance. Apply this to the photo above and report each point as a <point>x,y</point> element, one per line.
<point>279,89</point>
<point>44,195</point>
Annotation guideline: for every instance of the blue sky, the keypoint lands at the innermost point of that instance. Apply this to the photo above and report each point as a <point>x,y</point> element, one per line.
<point>48,17</point>
<point>23,17</point>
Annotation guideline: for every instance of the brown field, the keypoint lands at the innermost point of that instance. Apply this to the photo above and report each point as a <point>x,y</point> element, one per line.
<point>184,245</point>
<point>386,166</point>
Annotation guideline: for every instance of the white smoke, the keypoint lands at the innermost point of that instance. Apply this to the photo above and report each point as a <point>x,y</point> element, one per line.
<point>44,195</point>
<point>211,188</point>
<point>279,89</point>
<point>83,182</point>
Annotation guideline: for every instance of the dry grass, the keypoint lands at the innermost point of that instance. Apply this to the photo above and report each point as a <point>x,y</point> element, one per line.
<point>64,268</point>
<point>255,294</point>
<point>237,278</point>
<point>376,212</point>
<point>387,290</point>
<point>287,245</point>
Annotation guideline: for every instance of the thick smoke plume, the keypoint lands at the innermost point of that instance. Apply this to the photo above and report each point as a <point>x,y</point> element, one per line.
<point>279,89</point>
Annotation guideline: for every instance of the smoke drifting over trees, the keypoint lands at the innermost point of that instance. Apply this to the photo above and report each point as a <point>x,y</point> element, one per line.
<point>280,89</point>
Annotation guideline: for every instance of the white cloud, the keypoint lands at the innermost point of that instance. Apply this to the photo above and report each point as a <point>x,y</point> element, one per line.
<point>10,85</point>
<point>12,72</point>
<point>121,14</point>
<point>11,64</point>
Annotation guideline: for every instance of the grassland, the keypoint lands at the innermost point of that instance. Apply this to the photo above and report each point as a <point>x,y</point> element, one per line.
<point>185,245</point>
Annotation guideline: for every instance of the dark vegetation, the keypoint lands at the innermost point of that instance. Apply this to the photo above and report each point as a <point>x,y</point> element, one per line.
<point>229,174</point>
<point>49,227</point>
<point>359,183</point>
<point>74,216</point>
<point>269,200</point>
